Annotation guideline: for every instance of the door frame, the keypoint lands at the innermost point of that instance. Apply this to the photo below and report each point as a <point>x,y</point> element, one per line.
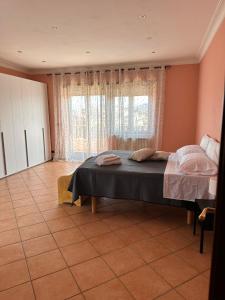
<point>217,284</point>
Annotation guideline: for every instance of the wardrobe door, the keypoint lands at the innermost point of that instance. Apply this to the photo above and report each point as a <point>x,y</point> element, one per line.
<point>18,127</point>
<point>28,122</point>
<point>2,173</point>
<point>36,124</point>
<point>2,167</point>
<point>8,146</point>
<point>38,121</point>
<point>45,122</point>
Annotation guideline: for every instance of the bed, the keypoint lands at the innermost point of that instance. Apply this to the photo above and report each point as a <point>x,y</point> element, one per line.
<point>141,181</point>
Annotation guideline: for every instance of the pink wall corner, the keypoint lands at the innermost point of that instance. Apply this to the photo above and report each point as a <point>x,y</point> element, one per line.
<point>181,91</point>
<point>211,87</point>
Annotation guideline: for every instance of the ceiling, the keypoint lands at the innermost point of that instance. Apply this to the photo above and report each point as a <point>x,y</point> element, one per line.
<point>54,34</point>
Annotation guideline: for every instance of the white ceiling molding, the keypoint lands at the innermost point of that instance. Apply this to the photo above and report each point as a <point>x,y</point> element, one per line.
<point>10,65</point>
<point>214,24</point>
<point>187,61</point>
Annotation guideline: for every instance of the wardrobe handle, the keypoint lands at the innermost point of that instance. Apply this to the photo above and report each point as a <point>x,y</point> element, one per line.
<point>43,137</point>
<point>3,153</point>
<point>26,148</point>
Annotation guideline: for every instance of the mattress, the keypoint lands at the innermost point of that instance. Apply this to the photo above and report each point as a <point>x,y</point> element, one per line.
<point>184,187</point>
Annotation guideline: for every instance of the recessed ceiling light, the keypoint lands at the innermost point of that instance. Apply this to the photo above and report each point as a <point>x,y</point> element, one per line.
<point>19,51</point>
<point>87,52</point>
<point>142,17</point>
<point>54,27</point>
<point>44,61</point>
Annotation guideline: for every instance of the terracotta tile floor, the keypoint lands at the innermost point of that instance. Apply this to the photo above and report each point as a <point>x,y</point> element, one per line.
<point>127,250</point>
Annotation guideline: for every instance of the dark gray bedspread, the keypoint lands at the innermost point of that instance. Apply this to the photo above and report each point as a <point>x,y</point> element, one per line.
<point>130,180</point>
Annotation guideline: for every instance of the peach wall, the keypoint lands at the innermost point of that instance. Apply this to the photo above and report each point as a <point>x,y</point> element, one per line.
<point>211,87</point>
<point>181,93</point>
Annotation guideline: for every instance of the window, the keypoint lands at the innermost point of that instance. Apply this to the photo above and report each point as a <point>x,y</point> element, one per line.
<point>132,116</point>
<point>93,120</point>
<point>108,109</point>
<point>87,126</point>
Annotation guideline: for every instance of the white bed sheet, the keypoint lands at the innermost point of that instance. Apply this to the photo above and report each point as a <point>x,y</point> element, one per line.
<point>184,187</point>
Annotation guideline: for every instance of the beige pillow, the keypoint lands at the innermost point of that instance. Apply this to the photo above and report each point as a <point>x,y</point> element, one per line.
<point>142,154</point>
<point>160,155</point>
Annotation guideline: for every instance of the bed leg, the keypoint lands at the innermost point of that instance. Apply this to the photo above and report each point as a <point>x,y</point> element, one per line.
<point>93,204</point>
<point>190,217</point>
<point>81,200</point>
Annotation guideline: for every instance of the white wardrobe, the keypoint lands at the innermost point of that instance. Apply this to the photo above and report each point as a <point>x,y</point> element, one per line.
<point>24,124</point>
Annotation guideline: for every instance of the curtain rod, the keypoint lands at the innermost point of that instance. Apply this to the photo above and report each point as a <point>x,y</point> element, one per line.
<point>108,70</point>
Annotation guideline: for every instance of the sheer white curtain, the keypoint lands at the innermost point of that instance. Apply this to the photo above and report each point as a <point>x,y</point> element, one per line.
<point>112,109</point>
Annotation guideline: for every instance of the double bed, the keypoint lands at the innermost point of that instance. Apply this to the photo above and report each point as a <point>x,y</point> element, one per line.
<point>141,181</point>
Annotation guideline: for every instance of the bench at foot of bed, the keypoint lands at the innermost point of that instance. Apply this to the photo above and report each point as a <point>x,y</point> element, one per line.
<point>64,196</point>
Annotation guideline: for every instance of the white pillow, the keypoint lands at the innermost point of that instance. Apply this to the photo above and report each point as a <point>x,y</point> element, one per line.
<point>204,142</point>
<point>188,149</point>
<point>213,150</point>
<point>197,164</point>
<point>142,154</point>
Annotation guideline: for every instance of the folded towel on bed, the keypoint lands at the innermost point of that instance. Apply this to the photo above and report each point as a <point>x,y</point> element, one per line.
<point>107,160</point>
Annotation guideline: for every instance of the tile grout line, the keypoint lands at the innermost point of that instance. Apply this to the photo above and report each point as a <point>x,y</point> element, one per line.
<point>158,297</point>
